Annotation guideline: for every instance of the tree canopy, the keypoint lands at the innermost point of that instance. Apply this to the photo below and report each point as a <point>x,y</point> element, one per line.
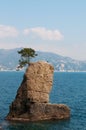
<point>26,55</point>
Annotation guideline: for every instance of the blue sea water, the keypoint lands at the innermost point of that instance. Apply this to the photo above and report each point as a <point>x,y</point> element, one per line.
<point>68,88</point>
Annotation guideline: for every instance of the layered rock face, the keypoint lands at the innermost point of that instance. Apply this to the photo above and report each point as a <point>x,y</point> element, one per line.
<point>32,99</point>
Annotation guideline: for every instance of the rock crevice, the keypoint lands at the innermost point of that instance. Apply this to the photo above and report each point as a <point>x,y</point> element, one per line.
<point>32,100</point>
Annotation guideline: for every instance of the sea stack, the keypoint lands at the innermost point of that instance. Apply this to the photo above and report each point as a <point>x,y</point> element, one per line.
<point>32,100</point>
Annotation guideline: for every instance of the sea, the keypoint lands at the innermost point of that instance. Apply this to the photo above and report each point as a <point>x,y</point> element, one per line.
<point>68,88</point>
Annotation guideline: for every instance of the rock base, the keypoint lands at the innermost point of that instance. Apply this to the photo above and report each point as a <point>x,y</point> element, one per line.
<point>41,111</point>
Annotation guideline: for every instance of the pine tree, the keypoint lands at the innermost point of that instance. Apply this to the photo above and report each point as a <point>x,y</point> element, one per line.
<point>26,55</point>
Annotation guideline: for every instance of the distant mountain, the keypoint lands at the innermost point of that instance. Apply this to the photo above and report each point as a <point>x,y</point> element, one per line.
<point>9,60</point>
<point>62,63</point>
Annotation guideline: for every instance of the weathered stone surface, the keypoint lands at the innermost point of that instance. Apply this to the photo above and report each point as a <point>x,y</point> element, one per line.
<point>41,111</point>
<point>37,96</point>
<point>32,99</point>
<point>39,77</point>
<point>44,111</point>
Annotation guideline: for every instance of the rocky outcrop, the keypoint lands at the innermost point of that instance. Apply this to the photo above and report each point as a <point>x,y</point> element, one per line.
<point>32,99</point>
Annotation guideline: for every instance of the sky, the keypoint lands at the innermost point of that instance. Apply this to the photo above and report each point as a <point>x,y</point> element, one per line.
<point>57,26</point>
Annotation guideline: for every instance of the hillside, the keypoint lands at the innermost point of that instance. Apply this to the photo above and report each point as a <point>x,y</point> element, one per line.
<point>9,61</point>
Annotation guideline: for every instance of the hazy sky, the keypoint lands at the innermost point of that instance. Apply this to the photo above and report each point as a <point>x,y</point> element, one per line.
<point>49,25</point>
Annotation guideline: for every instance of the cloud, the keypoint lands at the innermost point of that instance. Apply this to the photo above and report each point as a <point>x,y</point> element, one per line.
<point>26,31</point>
<point>8,31</point>
<point>43,33</point>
